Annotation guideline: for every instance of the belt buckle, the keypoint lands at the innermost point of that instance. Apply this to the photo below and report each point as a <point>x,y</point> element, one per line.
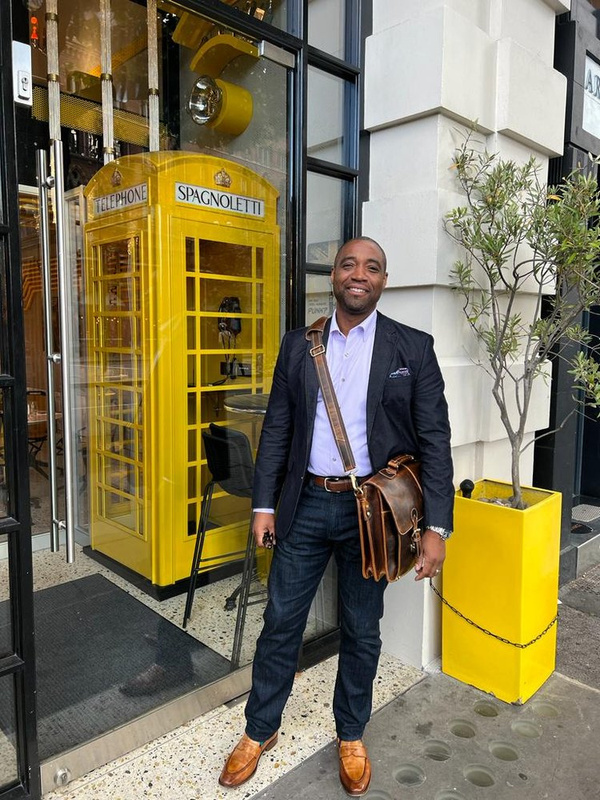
<point>325,480</point>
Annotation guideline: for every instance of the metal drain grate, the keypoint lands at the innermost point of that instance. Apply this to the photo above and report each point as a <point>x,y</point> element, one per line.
<point>585,513</point>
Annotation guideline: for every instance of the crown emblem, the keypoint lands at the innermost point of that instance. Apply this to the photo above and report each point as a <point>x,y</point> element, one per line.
<point>116,178</point>
<point>223,178</point>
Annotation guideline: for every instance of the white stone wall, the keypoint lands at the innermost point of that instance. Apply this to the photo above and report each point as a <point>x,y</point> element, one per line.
<point>433,67</point>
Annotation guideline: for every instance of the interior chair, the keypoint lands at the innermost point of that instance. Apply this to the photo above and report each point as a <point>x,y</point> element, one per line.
<point>37,428</point>
<point>229,460</point>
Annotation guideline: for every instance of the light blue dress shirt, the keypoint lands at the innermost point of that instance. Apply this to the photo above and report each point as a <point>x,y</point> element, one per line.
<point>349,362</point>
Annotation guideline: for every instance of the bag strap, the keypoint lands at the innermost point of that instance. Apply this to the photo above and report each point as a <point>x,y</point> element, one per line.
<point>315,336</point>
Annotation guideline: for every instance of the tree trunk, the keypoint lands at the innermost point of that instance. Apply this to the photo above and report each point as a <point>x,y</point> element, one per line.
<point>517,497</point>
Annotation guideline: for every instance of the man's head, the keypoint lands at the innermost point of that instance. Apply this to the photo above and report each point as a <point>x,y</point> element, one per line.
<point>358,277</point>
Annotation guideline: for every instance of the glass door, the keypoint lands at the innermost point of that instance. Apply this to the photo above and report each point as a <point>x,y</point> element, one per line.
<point>134,92</point>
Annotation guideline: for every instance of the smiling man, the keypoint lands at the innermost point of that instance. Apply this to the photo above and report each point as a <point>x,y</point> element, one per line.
<point>391,395</point>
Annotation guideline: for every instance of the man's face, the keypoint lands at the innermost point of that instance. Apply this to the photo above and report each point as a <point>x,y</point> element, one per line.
<point>358,277</point>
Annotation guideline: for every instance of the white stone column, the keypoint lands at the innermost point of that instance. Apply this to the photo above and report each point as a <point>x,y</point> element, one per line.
<point>433,68</point>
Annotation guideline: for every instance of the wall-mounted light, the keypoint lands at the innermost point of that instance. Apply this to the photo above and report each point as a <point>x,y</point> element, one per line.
<point>206,100</point>
<point>220,105</point>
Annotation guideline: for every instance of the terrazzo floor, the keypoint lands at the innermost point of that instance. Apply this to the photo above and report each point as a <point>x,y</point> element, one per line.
<point>185,763</point>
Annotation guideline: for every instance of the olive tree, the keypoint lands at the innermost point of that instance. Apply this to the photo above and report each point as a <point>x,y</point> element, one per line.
<point>521,238</point>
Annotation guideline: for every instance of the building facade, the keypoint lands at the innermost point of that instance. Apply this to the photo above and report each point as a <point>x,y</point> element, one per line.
<point>214,156</point>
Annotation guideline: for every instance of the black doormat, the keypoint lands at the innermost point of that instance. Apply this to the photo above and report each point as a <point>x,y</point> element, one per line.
<point>92,639</point>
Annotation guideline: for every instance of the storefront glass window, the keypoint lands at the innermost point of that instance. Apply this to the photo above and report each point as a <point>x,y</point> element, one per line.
<point>3,306</point>
<point>271,11</point>
<point>3,476</point>
<point>324,231</point>
<point>8,754</point>
<point>6,645</point>
<point>326,21</point>
<point>176,170</point>
<point>319,297</point>
<point>326,116</point>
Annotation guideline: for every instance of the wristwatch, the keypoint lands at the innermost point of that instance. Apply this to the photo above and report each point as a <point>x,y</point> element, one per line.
<point>443,533</point>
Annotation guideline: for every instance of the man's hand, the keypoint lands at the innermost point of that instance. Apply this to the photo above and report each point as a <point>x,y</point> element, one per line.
<point>432,556</point>
<point>263,528</point>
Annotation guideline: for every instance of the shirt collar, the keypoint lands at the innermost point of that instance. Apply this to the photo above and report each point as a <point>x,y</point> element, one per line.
<point>367,325</point>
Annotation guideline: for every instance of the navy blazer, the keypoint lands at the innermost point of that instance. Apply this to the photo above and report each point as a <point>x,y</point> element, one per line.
<point>406,413</point>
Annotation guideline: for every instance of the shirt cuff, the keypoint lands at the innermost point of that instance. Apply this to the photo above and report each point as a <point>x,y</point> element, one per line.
<point>443,533</point>
<point>263,510</point>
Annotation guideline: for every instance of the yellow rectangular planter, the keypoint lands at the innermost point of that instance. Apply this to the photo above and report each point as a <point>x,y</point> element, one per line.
<point>501,572</point>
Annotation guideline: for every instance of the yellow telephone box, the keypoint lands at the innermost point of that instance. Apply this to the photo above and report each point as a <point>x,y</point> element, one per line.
<point>182,293</point>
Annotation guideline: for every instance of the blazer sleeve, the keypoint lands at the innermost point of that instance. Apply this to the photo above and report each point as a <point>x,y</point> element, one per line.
<point>432,427</point>
<point>275,440</point>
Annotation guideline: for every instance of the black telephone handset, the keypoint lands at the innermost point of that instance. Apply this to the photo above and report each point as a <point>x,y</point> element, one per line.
<point>230,326</point>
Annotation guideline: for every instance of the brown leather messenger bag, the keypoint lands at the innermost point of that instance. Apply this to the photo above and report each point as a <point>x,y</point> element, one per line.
<point>389,503</point>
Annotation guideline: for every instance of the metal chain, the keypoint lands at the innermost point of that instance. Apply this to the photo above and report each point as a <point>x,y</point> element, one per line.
<point>489,633</point>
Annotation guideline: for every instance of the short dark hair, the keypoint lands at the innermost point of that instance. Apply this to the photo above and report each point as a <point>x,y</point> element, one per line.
<point>362,239</point>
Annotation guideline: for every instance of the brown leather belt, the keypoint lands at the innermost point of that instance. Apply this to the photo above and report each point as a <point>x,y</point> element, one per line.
<point>332,484</point>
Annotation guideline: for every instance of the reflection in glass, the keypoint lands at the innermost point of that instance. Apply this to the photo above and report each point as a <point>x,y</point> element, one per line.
<point>325,116</point>
<point>326,22</point>
<point>3,305</point>
<point>4,498</point>
<point>324,204</point>
<point>8,754</point>
<point>263,145</point>
<point>272,11</point>
<point>319,297</point>
<point>6,641</point>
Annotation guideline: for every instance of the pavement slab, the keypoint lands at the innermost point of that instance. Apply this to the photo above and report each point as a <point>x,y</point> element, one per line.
<point>444,740</point>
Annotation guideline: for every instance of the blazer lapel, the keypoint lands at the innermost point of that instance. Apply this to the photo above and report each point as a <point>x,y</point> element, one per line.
<point>383,353</point>
<point>312,382</point>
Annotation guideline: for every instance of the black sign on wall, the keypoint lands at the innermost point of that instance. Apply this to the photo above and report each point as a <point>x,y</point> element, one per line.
<point>577,56</point>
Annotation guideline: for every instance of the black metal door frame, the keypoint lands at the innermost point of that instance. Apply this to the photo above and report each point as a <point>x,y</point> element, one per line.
<point>17,668</point>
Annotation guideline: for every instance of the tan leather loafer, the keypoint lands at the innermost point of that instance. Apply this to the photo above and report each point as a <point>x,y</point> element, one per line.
<point>355,767</point>
<point>243,761</point>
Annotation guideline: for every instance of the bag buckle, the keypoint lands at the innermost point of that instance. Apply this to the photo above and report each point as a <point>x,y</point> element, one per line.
<point>318,350</point>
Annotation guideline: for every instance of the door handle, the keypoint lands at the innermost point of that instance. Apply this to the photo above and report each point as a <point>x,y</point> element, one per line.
<point>65,303</point>
<point>45,183</point>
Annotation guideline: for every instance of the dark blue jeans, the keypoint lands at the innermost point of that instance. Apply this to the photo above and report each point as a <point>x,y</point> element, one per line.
<point>325,523</point>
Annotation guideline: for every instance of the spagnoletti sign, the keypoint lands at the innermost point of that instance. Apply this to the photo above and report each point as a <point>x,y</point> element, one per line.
<point>123,198</point>
<point>591,97</point>
<point>213,198</point>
